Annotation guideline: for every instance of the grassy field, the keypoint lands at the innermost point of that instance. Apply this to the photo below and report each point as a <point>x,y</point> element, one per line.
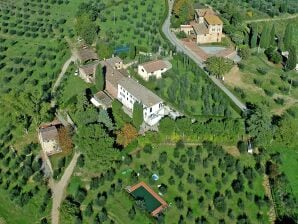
<point>200,181</point>
<point>133,23</point>
<point>289,160</point>
<point>32,52</point>
<point>263,89</point>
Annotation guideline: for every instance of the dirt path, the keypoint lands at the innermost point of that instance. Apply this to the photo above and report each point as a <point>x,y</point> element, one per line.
<point>272,19</point>
<point>60,76</point>
<point>58,189</point>
<point>271,212</point>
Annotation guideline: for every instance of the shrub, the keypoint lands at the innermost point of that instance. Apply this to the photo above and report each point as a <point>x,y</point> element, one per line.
<point>242,146</point>
<point>262,70</point>
<point>279,101</point>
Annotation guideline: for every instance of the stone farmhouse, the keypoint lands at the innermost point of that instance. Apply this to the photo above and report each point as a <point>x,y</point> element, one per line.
<point>87,61</point>
<point>119,85</point>
<point>49,138</point>
<point>153,69</point>
<point>206,27</point>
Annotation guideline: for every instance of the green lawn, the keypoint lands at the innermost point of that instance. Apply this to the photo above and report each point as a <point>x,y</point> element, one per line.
<point>289,162</point>
<point>263,89</point>
<point>194,181</point>
<point>28,214</point>
<point>133,23</point>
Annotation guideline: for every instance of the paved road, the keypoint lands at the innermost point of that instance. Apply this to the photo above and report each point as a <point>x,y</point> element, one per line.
<point>58,188</point>
<point>181,48</point>
<point>272,19</point>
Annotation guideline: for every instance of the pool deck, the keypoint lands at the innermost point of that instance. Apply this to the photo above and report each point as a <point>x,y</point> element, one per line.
<point>156,196</point>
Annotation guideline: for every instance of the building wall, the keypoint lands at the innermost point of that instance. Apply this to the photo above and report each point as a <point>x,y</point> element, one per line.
<point>186,29</point>
<point>126,98</point>
<point>208,38</point>
<point>155,109</point>
<point>128,101</point>
<point>49,147</point>
<point>112,90</point>
<point>201,19</point>
<point>215,29</point>
<point>85,77</point>
<point>143,73</point>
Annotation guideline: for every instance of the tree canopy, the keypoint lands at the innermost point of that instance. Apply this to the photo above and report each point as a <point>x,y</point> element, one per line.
<point>219,66</point>
<point>86,28</point>
<point>138,117</point>
<point>183,11</point>
<point>292,59</point>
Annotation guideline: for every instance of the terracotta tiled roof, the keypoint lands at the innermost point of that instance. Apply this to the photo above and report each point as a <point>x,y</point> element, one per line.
<point>89,69</point>
<point>86,54</point>
<point>204,12</point>
<point>140,92</point>
<point>199,28</point>
<point>104,98</point>
<point>153,66</point>
<point>49,133</point>
<point>213,20</point>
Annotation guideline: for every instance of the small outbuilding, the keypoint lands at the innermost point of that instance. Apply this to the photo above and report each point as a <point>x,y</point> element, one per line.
<point>49,138</point>
<point>102,99</point>
<point>153,69</point>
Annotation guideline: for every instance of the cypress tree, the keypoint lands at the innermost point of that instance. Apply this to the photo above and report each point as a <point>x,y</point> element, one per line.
<point>265,37</point>
<point>292,59</point>
<point>272,36</point>
<point>254,37</point>
<point>288,37</point>
<point>137,115</point>
<point>100,79</point>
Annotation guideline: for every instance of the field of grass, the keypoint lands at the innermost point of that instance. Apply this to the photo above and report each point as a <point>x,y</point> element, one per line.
<point>201,176</point>
<point>289,159</point>
<point>32,52</point>
<point>272,89</point>
<point>133,23</point>
<point>24,197</point>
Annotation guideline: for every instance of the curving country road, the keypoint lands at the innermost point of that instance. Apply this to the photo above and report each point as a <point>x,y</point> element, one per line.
<point>181,48</point>
<point>58,188</point>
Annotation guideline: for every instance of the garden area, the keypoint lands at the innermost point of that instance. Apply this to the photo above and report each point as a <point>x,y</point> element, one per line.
<point>226,188</point>
<point>263,83</point>
<point>123,27</point>
<point>186,88</point>
<point>25,197</point>
<point>32,52</point>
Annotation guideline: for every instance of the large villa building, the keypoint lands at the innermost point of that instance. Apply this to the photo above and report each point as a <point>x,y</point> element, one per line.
<point>119,85</point>
<point>206,27</point>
